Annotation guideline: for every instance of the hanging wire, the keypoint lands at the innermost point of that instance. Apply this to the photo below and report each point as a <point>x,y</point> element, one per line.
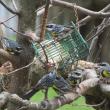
<point>76,15</point>
<point>55,17</point>
<point>77,26</point>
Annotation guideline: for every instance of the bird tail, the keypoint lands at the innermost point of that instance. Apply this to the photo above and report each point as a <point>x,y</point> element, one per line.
<point>30,93</point>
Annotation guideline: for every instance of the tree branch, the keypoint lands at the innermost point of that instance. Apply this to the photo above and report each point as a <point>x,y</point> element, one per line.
<point>52,104</point>
<point>41,10</point>
<point>6,55</point>
<point>9,9</point>
<point>14,4</point>
<point>88,18</point>
<point>83,10</point>
<point>20,33</point>
<point>100,28</point>
<point>82,21</point>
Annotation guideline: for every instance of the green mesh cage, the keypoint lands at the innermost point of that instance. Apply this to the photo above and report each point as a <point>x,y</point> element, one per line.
<point>75,45</point>
<point>72,46</point>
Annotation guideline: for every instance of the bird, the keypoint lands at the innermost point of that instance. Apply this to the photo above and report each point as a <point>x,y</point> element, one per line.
<point>44,83</point>
<point>64,67</point>
<point>75,77</point>
<point>57,30</point>
<point>11,46</point>
<point>104,69</point>
<point>61,86</point>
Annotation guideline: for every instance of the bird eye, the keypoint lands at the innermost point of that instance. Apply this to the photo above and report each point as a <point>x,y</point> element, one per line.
<point>49,26</point>
<point>77,73</point>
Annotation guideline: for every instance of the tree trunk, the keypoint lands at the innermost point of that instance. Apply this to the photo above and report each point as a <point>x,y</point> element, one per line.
<point>26,20</point>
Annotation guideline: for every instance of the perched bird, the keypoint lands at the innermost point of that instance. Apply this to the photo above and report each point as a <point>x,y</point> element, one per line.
<point>11,46</point>
<point>44,83</point>
<point>61,86</point>
<point>64,67</point>
<point>104,69</point>
<point>58,30</point>
<point>75,77</point>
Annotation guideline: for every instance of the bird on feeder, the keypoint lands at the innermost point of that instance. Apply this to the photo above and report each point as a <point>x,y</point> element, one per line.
<point>57,30</point>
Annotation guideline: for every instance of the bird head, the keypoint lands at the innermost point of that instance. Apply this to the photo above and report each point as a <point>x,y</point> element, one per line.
<point>104,69</point>
<point>53,74</point>
<point>77,74</point>
<point>103,64</point>
<point>75,77</point>
<point>50,27</point>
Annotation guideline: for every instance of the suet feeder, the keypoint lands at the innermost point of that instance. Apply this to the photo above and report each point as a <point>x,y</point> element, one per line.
<point>70,46</point>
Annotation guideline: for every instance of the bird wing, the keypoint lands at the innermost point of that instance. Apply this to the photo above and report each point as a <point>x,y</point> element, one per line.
<point>62,84</point>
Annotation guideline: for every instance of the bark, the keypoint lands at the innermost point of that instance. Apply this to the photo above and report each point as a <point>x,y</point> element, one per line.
<point>19,79</point>
<point>83,10</point>
<point>52,104</point>
<point>26,21</point>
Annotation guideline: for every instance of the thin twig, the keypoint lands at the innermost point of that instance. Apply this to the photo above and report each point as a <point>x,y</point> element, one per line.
<point>41,10</point>
<point>76,15</point>
<point>98,33</point>
<point>79,8</point>
<point>88,18</point>
<point>101,46</point>
<point>9,9</point>
<point>84,20</point>
<point>21,68</point>
<point>14,30</point>
<point>51,20</point>
<point>8,19</point>
<point>14,4</point>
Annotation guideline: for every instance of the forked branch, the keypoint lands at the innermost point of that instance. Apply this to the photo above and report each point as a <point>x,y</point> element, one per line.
<point>79,8</point>
<point>5,55</point>
<point>52,104</point>
<point>88,18</point>
<point>8,8</point>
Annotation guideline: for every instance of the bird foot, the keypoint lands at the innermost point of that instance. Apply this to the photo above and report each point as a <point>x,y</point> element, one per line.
<point>46,99</point>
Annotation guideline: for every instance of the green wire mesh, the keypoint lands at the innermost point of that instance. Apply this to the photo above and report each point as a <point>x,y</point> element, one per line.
<point>75,45</point>
<point>71,46</point>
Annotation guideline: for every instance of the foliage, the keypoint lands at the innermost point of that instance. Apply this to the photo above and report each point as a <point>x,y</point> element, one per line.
<point>74,106</point>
